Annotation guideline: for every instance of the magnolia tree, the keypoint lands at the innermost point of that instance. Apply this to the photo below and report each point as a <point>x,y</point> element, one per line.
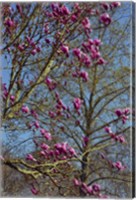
<point>65,91</point>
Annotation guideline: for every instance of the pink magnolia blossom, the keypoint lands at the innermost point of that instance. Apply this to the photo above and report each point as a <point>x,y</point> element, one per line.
<point>121,139</point>
<point>84,75</point>
<point>86,23</point>
<point>52,114</point>
<point>72,151</point>
<point>77,52</point>
<point>101,61</point>
<point>76,182</point>
<point>43,153</point>
<point>12,98</point>
<point>115,4</point>
<point>21,47</point>
<point>85,140</point>
<point>19,8</point>
<point>36,124</point>
<point>34,114</point>
<point>48,136</point>
<point>34,51</point>
<point>124,118</point>
<point>105,18</point>
<point>118,112</point>
<point>30,157</point>
<point>51,85</point>
<point>34,190</point>
<point>25,109</point>
<point>86,59</point>
<point>73,18</point>
<point>65,49</point>
<point>105,6</point>
<point>10,23</point>
<point>108,129</point>
<point>126,111</point>
<point>96,187</point>
<point>44,146</point>
<point>89,189</point>
<point>97,42</point>
<point>119,165</point>
<point>65,10</point>
<point>77,103</point>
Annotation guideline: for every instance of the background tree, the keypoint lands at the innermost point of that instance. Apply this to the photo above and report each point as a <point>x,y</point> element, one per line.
<point>67,74</point>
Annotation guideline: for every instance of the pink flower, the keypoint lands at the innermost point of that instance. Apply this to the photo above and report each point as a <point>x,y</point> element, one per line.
<point>10,23</point>
<point>34,190</point>
<point>51,85</point>
<point>121,139</point>
<point>108,129</point>
<point>73,18</point>
<point>72,151</point>
<point>38,49</point>
<point>105,18</point>
<point>30,157</point>
<point>34,51</point>
<point>119,165</point>
<point>36,124</point>
<point>43,131</point>
<point>77,52</point>
<point>97,42</point>
<point>85,140</point>
<point>77,103</point>
<point>34,114</point>
<point>12,98</point>
<point>89,190</point>
<point>65,10</point>
<point>115,4</point>
<point>118,112</point>
<point>52,114</point>
<point>76,182</point>
<point>124,118</point>
<point>58,146</point>
<point>96,187</point>
<point>84,75</point>
<point>86,59</point>
<point>19,8</point>
<point>25,109</point>
<point>21,47</point>
<point>86,23</point>
<point>65,50</point>
<point>44,146</point>
<point>105,6</point>
<point>101,61</point>
<point>126,111</point>
<point>48,136</point>
<point>47,41</point>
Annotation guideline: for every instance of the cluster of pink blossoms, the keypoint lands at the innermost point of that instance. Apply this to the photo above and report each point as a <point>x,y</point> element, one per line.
<point>60,108</point>
<point>123,114</point>
<point>35,49</point>
<point>116,165</point>
<point>94,189</point>
<point>50,83</point>
<point>91,52</point>
<point>107,6</point>
<point>60,151</point>
<point>5,94</point>
<point>82,74</point>
<point>119,138</point>
<point>77,103</point>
